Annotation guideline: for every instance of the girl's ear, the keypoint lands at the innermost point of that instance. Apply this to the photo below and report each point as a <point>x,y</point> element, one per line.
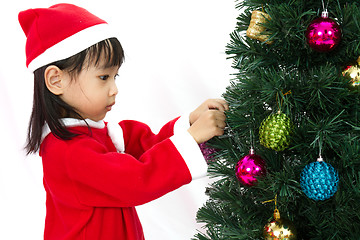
<point>55,80</point>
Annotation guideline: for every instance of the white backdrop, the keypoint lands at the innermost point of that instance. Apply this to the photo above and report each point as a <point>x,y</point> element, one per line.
<point>174,61</point>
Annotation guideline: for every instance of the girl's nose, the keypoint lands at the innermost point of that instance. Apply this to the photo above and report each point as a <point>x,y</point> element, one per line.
<point>113,90</point>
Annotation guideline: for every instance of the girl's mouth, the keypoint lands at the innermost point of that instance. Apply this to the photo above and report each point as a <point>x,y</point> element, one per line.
<point>109,107</point>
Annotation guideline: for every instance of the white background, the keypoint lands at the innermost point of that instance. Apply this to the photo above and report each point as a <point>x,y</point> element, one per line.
<point>174,61</point>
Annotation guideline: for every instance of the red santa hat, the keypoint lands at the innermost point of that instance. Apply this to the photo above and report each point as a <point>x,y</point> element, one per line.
<point>59,32</point>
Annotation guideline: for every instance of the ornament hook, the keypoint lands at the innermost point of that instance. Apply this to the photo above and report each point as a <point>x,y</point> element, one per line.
<point>276,211</point>
<point>282,99</point>
<point>320,159</point>
<point>325,13</point>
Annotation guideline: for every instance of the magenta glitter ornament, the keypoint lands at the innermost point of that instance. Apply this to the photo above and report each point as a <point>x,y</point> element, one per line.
<point>249,167</point>
<point>323,34</point>
<point>207,152</point>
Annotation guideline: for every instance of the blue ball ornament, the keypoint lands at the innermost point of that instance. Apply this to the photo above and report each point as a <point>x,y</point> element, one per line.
<point>319,180</point>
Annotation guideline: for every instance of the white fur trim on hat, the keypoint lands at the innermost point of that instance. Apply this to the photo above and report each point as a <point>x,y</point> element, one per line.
<point>73,45</point>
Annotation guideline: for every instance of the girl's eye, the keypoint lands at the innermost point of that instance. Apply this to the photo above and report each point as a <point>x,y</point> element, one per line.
<point>104,77</point>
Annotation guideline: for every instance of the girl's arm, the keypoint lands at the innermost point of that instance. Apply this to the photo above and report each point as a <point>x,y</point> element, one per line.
<point>84,168</point>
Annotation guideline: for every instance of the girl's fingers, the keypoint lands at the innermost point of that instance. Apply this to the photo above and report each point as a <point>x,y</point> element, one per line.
<point>219,104</point>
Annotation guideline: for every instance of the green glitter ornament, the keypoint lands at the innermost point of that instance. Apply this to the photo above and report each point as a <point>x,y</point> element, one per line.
<point>275,131</point>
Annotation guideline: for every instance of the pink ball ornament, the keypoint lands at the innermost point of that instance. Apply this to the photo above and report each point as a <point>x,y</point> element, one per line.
<point>249,167</point>
<point>323,34</point>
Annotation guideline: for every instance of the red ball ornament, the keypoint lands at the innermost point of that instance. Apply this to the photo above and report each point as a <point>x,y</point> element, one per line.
<point>249,167</point>
<point>323,34</point>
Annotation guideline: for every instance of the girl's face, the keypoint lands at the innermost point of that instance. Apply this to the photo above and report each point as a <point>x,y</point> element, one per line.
<point>93,92</point>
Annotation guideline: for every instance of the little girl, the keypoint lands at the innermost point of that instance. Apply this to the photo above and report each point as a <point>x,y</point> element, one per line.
<point>95,173</point>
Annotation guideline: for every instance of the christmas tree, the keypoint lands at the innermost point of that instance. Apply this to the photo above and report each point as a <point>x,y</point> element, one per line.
<point>292,142</point>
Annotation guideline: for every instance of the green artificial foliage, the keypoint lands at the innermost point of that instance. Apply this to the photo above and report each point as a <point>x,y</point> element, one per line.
<point>309,87</point>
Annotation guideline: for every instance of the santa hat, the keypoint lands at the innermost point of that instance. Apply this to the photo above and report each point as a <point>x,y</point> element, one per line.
<point>59,32</point>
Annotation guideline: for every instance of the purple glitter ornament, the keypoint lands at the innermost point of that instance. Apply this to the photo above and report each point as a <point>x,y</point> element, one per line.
<point>249,167</point>
<point>323,34</point>
<point>207,151</point>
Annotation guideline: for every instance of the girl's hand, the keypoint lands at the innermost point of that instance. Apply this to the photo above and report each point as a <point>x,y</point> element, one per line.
<point>218,104</point>
<point>208,120</point>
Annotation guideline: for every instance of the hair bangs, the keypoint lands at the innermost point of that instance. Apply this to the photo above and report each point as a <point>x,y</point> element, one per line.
<point>108,53</point>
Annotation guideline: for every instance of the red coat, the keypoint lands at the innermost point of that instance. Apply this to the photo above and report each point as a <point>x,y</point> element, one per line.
<point>92,188</point>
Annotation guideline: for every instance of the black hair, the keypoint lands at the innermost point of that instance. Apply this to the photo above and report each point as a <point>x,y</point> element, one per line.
<point>50,108</point>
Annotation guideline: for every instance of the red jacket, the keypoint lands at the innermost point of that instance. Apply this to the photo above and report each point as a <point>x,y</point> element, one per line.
<point>93,187</point>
